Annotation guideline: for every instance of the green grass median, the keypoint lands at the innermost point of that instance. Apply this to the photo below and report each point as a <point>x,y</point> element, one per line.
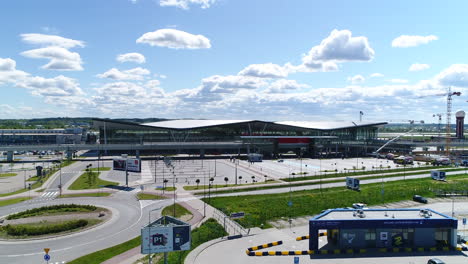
<point>90,180</point>
<point>260,209</point>
<point>13,201</point>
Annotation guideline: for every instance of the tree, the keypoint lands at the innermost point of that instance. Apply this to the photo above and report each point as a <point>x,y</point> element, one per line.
<point>226,179</point>
<point>198,182</point>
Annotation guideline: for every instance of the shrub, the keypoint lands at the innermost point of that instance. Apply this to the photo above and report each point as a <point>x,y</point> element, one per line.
<point>51,209</point>
<point>31,230</point>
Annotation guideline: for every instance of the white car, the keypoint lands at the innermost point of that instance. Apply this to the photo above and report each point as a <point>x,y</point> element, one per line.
<point>359,206</point>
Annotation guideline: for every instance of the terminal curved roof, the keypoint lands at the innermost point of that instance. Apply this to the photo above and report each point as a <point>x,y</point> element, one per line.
<point>186,124</point>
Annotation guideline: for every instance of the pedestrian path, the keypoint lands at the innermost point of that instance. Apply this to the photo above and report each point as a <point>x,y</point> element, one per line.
<point>47,196</point>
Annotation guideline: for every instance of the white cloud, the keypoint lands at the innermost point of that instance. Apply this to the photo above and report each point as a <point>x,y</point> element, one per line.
<point>340,46</point>
<point>406,41</point>
<point>356,79</point>
<point>418,67</point>
<point>60,58</point>
<point>51,40</point>
<point>376,75</point>
<point>57,86</point>
<point>267,70</point>
<point>398,81</point>
<point>132,74</point>
<point>184,4</point>
<point>117,89</point>
<point>174,39</point>
<point>8,71</point>
<point>281,86</point>
<point>230,83</point>
<point>131,57</point>
<point>455,75</point>
<point>7,65</point>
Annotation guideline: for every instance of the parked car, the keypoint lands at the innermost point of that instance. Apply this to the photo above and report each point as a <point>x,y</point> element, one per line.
<point>359,206</point>
<point>441,161</point>
<point>419,198</point>
<point>435,261</point>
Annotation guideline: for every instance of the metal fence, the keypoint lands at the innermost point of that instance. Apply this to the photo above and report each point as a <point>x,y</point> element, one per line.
<point>231,226</point>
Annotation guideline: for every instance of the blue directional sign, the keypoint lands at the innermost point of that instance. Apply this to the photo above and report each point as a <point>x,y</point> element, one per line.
<point>237,215</point>
<point>464,221</point>
<point>296,260</point>
<point>290,203</point>
<point>46,257</point>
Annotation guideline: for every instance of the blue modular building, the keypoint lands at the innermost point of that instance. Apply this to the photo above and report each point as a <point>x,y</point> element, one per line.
<point>383,228</point>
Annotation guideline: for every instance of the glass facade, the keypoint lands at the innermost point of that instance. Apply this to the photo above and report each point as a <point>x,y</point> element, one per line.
<point>262,136</point>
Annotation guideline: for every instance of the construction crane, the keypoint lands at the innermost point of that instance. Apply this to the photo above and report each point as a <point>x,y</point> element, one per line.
<point>449,116</point>
<point>449,95</point>
<point>439,124</point>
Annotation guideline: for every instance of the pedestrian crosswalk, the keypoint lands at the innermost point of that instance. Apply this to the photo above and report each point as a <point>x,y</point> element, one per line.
<point>48,195</point>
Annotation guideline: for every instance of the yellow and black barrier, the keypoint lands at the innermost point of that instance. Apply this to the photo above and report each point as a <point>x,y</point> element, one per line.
<point>308,236</point>
<point>281,253</point>
<point>272,244</point>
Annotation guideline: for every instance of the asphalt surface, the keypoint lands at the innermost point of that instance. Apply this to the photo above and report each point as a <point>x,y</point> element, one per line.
<point>128,218</point>
<point>129,215</point>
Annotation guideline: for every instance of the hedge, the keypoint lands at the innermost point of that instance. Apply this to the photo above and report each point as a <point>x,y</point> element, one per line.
<point>51,209</point>
<point>31,230</point>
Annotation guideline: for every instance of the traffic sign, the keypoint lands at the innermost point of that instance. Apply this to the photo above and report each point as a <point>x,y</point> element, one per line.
<point>237,215</point>
<point>296,260</point>
<point>46,250</point>
<point>290,203</point>
<point>464,221</point>
<point>46,257</point>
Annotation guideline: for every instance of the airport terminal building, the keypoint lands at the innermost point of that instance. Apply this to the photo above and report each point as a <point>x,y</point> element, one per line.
<point>252,136</point>
<point>392,229</point>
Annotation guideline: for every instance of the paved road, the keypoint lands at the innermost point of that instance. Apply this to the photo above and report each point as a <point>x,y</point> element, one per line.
<point>129,217</point>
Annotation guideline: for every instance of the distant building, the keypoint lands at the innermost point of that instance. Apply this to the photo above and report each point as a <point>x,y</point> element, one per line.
<point>42,136</point>
<point>263,137</point>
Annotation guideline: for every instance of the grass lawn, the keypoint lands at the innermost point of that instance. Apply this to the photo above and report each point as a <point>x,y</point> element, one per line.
<point>7,174</point>
<point>13,201</point>
<point>200,187</point>
<point>260,209</point>
<point>168,189</point>
<point>264,187</point>
<point>98,194</point>
<point>101,169</point>
<point>148,196</point>
<point>179,211</point>
<point>89,181</point>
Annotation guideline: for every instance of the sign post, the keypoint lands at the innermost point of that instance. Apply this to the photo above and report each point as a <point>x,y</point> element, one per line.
<point>164,235</point>
<point>47,256</point>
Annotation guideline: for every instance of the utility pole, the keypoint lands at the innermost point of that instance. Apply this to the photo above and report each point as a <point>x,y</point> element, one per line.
<point>235,163</point>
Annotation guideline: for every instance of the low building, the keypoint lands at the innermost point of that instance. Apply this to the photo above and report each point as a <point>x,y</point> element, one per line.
<point>42,136</point>
<point>383,228</point>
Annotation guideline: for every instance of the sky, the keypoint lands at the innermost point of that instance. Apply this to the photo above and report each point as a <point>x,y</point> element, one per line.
<point>272,60</point>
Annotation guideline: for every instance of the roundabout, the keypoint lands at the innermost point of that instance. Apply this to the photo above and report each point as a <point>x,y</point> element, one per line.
<point>128,215</point>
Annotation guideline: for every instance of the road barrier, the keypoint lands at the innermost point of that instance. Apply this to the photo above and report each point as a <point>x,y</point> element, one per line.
<point>272,244</point>
<point>307,237</point>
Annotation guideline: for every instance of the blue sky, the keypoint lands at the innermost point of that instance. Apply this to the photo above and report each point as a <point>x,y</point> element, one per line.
<point>232,59</point>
